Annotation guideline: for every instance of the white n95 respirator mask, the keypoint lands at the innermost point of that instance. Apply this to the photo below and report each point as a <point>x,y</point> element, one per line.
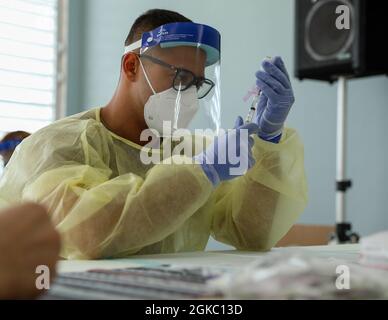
<point>176,109</point>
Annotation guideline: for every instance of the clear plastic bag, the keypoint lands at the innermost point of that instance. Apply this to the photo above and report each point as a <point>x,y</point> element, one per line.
<point>300,276</point>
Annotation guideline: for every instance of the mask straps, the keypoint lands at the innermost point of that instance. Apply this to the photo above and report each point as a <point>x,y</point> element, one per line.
<point>146,76</point>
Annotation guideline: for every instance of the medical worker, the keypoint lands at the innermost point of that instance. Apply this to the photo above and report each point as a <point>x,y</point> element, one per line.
<point>107,202</point>
<point>9,143</point>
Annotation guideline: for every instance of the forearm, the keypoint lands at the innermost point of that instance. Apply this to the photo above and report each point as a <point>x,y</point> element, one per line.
<point>125,214</point>
<point>264,204</point>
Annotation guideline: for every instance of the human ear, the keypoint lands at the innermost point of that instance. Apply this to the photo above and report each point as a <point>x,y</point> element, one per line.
<point>130,66</point>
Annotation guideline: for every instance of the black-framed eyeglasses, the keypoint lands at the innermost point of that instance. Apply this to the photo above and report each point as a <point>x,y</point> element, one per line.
<point>185,79</point>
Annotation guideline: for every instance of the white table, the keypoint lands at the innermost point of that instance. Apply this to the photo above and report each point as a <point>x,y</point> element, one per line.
<point>224,263</point>
<point>215,259</point>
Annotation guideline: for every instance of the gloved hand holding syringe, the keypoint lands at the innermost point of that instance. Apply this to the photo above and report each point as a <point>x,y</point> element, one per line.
<point>273,99</point>
<point>269,110</point>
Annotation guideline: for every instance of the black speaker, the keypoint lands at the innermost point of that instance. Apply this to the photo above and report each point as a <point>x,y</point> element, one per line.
<point>324,52</point>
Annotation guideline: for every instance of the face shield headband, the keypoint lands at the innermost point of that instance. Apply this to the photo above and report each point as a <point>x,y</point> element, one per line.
<point>182,34</point>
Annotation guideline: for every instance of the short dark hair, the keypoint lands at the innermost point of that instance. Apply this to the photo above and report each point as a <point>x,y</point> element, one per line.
<point>151,20</point>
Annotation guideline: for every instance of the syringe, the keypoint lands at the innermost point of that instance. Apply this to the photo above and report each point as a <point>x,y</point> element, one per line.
<point>253,109</point>
<point>255,101</point>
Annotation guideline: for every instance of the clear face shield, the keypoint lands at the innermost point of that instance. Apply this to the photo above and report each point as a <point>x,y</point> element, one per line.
<point>181,63</point>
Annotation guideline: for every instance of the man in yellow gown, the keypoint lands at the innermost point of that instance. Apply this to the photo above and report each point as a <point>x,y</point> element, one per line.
<point>106,202</point>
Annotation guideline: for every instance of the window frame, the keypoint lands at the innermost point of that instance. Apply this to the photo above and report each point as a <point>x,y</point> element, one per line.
<point>60,107</point>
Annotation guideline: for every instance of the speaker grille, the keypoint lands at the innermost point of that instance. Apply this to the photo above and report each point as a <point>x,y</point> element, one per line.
<point>323,41</point>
